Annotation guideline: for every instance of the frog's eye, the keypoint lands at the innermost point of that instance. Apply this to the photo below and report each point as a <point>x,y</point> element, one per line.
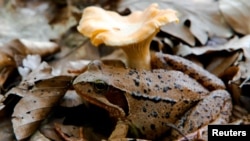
<point>100,86</point>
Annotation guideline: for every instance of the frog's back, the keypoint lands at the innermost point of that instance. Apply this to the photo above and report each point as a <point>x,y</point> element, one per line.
<point>157,84</point>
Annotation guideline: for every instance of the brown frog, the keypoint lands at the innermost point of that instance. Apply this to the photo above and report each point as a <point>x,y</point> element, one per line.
<point>177,92</point>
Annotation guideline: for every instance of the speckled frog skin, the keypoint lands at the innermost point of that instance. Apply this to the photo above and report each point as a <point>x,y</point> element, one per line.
<point>150,100</point>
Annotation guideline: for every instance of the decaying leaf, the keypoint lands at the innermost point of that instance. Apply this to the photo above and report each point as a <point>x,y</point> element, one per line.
<point>38,136</point>
<point>12,53</point>
<point>198,19</point>
<point>7,60</point>
<point>40,92</point>
<point>231,44</point>
<point>74,61</point>
<point>237,14</point>
<point>219,64</point>
<point>37,104</point>
<point>43,48</point>
<point>43,71</point>
<point>235,44</point>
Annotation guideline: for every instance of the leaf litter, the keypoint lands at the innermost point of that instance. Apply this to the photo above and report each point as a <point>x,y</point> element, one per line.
<point>217,30</point>
<point>197,21</point>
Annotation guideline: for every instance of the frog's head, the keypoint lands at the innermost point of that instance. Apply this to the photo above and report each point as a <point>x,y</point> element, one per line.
<point>93,86</point>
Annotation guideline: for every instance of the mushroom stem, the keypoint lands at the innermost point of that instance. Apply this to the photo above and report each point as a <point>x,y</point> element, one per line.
<point>138,54</point>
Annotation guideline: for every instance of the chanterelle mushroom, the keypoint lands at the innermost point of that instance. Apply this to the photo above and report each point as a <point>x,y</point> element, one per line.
<point>132,33</point>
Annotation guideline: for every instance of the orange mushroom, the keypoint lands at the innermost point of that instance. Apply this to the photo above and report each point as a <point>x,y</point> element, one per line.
<point>132,33</point>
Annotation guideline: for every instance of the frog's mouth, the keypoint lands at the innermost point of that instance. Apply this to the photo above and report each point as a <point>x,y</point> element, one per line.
<point>112,100</point>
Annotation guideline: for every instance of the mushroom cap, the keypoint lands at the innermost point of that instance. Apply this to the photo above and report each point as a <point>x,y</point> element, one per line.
<point>112,29</point>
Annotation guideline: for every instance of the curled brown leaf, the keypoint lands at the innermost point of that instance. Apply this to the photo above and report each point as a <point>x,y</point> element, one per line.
<point>37,103</point>
<point>40,92</point>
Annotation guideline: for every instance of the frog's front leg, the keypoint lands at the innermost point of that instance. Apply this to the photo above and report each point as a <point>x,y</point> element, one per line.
<point>173,62</point>
<point>214,108</point>
<point>120,131</point>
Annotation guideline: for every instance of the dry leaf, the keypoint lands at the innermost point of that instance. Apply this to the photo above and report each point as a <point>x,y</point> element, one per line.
<point>40,92</point>
<point>235,91</point>
<point>37,104</point>
<point>75,61</point>
<point>237,14</point>
<point>37,136</point>
<point>8,52</point>
<point>219,64</point>
<point>230,73</point>
<point>43,71</point>
<point>198,19</point>
<point>12,53</point>
<point>43,48</point>
<point>234,44</point>
<point>200,50</point>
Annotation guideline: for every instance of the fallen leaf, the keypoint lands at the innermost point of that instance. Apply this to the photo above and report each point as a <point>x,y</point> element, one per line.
<point>198,19</point>
<point>75,61</point>
<point>230,73</point>
<point>235,90</point>
<point>237,14</point>
<point>37,103</point>
<point>43,48</point>
<point>200,50</point>
<point>37,136</point>
<point>235,44</point>
<point>13,52</point>
<point>40,92</point>
<point>8,52</point>
<point>43,71</point>
<point>219,64</point>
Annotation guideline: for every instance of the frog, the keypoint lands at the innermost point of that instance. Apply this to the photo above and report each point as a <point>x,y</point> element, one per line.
<point>175,93</point>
